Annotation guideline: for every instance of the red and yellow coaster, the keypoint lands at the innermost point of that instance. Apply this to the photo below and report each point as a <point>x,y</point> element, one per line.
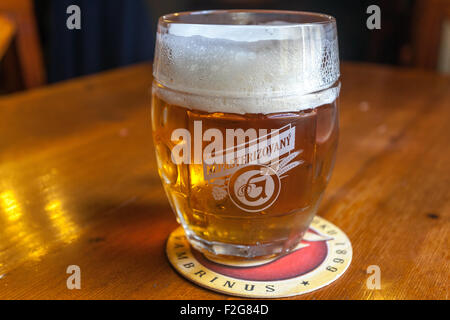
<point>320,259</point>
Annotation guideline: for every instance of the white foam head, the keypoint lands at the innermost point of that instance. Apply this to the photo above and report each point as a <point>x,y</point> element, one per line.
<point>264,67</point>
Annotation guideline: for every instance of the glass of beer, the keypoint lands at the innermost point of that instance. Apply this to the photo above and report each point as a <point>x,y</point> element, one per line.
<point>245,125</point>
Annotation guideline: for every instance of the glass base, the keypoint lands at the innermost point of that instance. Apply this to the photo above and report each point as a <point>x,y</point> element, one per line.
<point>228,253</point>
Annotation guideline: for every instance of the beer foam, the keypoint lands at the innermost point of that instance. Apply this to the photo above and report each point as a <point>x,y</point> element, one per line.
<point>275,67</point>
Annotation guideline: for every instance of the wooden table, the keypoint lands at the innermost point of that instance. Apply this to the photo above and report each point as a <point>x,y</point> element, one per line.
<point>78,186</point>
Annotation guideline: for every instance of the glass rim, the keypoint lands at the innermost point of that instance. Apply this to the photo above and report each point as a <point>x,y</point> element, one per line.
<point>322,19</point>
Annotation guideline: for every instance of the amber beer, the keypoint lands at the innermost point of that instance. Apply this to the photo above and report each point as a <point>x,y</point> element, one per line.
<point>254,196</point>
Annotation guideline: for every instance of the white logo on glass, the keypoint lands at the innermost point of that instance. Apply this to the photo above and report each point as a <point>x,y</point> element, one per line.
<point>252,179</point>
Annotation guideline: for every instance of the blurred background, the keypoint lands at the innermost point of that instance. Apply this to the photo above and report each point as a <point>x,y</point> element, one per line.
<point>36,47</point>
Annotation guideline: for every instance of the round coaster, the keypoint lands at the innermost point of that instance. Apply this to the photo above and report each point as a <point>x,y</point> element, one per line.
<point>320,259</point>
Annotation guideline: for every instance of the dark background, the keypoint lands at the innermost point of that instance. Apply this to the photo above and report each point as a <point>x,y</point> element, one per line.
<point>119,32</point>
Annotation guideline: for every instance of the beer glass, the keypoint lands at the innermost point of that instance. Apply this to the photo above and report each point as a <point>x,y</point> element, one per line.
<point>245,125</point>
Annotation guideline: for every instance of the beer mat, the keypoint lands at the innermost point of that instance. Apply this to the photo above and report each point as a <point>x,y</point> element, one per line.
<point>321,258</point>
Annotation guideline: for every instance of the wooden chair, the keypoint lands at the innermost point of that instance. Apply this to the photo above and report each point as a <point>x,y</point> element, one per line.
<point>7,31</point>
<point>20,38</point>
<point>432,19</point>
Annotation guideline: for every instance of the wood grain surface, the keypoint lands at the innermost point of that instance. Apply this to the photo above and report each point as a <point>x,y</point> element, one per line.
<point>79,186</point>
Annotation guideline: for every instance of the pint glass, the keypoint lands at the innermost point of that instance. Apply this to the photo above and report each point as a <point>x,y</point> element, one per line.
<point>245,125</point>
